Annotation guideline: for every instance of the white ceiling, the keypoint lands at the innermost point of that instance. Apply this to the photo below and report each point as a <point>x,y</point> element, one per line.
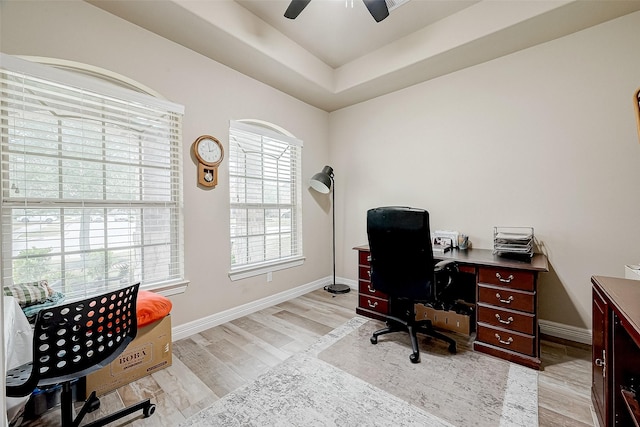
<point>335,55</point>
<point>339,31</point>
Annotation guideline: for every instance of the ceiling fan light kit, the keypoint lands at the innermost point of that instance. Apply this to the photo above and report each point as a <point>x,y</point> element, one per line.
<point>377,8</point>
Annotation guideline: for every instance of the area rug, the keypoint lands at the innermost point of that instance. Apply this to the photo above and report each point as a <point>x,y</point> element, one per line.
<point>344,380</point>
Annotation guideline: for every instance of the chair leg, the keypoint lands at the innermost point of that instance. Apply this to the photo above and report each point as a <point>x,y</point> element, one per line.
<point>393,325</point>
<point>415,356</point>
<point>66,405</point>
<point>426,327</point>
<point>93,403</point>
<point>147,407</point>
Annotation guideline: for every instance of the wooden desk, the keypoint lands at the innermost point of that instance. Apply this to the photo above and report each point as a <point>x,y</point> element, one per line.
<point>506,301</point>
<point>616,350</point>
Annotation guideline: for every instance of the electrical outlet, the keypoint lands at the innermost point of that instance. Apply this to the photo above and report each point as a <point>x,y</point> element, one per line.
<point>269,276</point>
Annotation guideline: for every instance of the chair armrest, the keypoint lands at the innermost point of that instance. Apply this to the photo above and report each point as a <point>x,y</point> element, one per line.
<point>445,265</point>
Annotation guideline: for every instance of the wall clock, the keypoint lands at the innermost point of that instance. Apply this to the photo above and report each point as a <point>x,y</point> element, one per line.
<point>209,154</point>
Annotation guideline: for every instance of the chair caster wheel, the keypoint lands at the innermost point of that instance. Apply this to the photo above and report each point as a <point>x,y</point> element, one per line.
<point>93,403</point>
<point>452,349</point>
<point>374,340</point>
<point>415,358</point>
<point>149,410</point>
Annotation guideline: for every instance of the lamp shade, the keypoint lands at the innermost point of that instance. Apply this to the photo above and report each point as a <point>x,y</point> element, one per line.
<point>321,182</point>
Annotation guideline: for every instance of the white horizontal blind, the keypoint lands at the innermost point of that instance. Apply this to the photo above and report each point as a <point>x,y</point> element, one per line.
<point>91,185</point>
<point>265,196</point>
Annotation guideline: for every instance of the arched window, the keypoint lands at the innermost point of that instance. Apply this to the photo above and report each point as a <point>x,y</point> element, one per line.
<point>265,197</point>
<point>91,185</point>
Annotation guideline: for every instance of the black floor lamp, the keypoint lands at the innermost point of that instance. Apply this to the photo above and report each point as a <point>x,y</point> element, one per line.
<point>322,183</point>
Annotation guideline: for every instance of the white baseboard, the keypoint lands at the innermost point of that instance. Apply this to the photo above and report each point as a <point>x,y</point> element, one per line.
<point>547,327</point>
<point>190,328</point>
<point>566,332</point>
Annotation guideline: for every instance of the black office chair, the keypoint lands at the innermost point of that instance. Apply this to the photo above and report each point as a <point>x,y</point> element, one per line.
<point>402,266</point>
<point>73,340</point>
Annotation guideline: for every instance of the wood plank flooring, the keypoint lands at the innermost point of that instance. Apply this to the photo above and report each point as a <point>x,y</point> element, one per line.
<point>212,363</point>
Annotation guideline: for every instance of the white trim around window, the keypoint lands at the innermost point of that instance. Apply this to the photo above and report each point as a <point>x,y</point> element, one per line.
<point>265,198</point>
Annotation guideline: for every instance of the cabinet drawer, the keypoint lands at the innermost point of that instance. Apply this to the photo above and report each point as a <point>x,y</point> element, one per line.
<point>372,303</point>
<point>510,340</point>
<point>507,319</point>
<point>365,288</point>
<point>515,279</point>
<point>466,269</point>
<point>364,258</point>
<point>507,298</point>
<point>364,273</point>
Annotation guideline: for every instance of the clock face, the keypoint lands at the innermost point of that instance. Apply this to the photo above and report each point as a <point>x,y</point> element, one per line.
<point>209,151</point>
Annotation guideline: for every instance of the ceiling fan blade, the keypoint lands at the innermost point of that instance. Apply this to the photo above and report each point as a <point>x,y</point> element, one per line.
<point>377,8</point>
<point>295,7</point>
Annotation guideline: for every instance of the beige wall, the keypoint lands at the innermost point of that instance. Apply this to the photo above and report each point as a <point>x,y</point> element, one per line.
<point>212,94</point>
<point>545,138</point>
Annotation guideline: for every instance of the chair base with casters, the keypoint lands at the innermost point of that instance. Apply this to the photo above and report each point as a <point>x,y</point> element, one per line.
<point>93,403</point>
<point>73,340</point>
<point>396,324</point>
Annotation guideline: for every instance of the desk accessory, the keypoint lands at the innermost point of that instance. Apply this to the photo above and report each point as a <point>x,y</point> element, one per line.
<point>322,182</point>
<point>441,244</point>
<point>451,236</point>
<point>513,241</point>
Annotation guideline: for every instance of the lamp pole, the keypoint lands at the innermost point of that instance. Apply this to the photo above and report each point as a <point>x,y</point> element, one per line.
<point>322,183</point>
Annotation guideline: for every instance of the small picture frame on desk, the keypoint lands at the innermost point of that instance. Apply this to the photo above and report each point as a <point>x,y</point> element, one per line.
<point>441,244</point>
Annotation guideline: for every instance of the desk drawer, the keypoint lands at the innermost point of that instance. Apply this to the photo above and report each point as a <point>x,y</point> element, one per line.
<point>515,279</point>
<point>510,340</point>
<point>372,303</point>
<point>365,288</point>
<point>364,272</point>
<point>364,258</point>
<point>507,298</point>
<point>507,319</point>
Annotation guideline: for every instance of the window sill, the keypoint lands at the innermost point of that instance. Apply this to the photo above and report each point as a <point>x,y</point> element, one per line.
<point>168,288</point>
<point>256,270</point>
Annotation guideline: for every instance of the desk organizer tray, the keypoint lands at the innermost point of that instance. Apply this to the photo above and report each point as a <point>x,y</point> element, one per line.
<point>513,241</point>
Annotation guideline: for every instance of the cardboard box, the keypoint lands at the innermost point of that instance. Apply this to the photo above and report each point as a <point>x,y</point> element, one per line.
<point>148,353</point>
<point>447,320</point>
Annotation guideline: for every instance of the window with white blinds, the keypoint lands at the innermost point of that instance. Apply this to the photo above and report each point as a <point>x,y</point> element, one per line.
<point>265,199</point>
<point>91,184</point>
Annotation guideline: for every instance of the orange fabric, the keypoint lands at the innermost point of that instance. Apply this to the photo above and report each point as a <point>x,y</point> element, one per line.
<point>151,307</point>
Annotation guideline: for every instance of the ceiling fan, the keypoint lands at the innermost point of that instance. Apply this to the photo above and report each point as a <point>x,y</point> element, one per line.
<point>377,8</point>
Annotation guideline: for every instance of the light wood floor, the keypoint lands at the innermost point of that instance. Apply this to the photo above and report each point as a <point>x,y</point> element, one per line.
<point>208,365</point>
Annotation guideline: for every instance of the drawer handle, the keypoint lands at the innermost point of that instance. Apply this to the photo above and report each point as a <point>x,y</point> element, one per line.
<point>602,363</point>
<point>507,280</point>
<point>369,258</point>
<point>504,301</point>
<point>374,305</point>
<point>506,322</point>
<point>507,342</point>
<point>370,288</point>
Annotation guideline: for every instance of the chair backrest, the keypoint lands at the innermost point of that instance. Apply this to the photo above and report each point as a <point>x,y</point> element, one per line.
<point>75,339</point>
<point>401,253</point>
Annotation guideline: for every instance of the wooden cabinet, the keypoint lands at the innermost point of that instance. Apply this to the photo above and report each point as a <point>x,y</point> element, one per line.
<point>506,301</point>
<point>616,351</point>
<point>507,315</point>
<point>371,303</point>
<point>599,349</point>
